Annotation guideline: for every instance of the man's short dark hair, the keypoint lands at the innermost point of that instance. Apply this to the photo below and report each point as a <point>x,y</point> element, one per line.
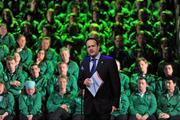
<point>91,38</point>
<point>174,79</point>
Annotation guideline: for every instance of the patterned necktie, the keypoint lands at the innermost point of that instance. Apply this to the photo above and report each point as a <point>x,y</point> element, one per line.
<point>93,69</point>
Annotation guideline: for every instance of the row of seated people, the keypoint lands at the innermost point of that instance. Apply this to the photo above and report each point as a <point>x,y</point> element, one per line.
<point>62,105</point>
<point>118,50</point>
<point>15,79</point>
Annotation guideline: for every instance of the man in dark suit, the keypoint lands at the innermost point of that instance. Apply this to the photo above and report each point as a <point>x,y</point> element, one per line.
<point>106,99</point>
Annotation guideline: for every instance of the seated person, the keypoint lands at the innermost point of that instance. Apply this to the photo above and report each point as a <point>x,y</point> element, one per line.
<point>78,106</point>
<point>71,87</point>
<point>124,79</point>
<point>13,78</point>
<point>46,66</point>
<point>168,71</point>
<point>59,102</point>
<point>30,103</point>
<point>143,71</point>
<point>169,102</point>
<point>122,112</point>
<point>40,80</point>
<point>6,103</point>
<point>142,103</point>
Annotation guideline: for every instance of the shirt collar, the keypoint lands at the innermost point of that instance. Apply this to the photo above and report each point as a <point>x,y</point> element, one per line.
<point>97,57</point>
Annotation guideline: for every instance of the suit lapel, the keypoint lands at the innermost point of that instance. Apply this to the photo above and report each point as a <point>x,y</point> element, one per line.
<point>100,63</point>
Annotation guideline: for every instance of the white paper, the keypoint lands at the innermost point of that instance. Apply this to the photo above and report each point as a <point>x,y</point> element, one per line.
<point>96,83</point>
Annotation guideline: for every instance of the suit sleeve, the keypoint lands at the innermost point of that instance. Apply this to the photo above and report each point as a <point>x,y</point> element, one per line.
<point>115,83</point>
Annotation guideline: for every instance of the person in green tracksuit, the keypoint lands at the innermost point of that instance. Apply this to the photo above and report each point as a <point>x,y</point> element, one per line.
<point>72,87</point>
<point>6,37</point>
<point>143,72</point>
<point>124,79</point>
<point>59,104</point>
<point>142,103</point>
<point>40,80</point>
<point>6,103</point>
<point>78,106</point>
<point>30,103</point>
<point>122,112</point>
<point>4,50</point>
<point>73,68</point>
<point>50,53</point>
<point>13,78</point>
<point>169,102</point>
<point>24,52</point>
<point>46,66</point>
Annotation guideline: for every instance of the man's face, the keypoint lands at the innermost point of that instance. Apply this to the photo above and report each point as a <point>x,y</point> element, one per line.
<point>142,84</point>
<point>21,42</point>
<point>92,48</point>
<point>65,56</point>
<point>11,65</point>
<point>35,70</point>
<point>63,68</point>
<point>168,70</point>
<point>62,83</point>
<point>118,41</point>
<point>170,85</point>
<point>45,44</point>
<point>143,66</point>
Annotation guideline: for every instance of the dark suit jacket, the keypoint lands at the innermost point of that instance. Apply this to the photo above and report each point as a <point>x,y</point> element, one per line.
<point>108,93</point>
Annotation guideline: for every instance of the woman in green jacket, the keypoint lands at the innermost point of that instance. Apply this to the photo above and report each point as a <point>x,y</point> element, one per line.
<point>30,103</point>
<point>6,103</point>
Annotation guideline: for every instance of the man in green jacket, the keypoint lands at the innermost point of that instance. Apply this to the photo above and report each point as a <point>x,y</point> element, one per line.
<point>13,78</point>
<point>142,103</point>
<point>169,102</point>
<point>40,80</point>
<point>73,68</point>
<point>59,104</point>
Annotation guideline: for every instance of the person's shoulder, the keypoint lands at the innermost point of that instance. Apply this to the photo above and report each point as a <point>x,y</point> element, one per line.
<point>106,57</point>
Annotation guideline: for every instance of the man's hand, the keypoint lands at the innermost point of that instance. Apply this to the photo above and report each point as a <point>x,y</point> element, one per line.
<point>65,107</point>
<point>15,83</point>
<point>144,117</point>
<point>87,82</point>
<point>138,116</point>
<point>164,115</point>
<point>18,50</point>
<point>29,117</point>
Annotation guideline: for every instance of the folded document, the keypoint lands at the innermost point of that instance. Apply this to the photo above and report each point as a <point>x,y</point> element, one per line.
<point>96,83</point>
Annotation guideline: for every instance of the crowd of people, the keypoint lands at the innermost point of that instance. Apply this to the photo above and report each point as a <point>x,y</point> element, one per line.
<point>42,44</point>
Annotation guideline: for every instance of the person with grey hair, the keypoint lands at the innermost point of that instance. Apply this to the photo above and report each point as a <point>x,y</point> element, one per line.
<point>73,68</point>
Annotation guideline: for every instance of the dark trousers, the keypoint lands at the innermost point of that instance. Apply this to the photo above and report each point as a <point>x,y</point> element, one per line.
<point>9,117</point>
<point>59,114</point>
<point>177,117</point>
<point>119,117</point>
<point>35,117</point>
<point>95,116</point>
<point>78,117</point>
<point>133,117</point>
